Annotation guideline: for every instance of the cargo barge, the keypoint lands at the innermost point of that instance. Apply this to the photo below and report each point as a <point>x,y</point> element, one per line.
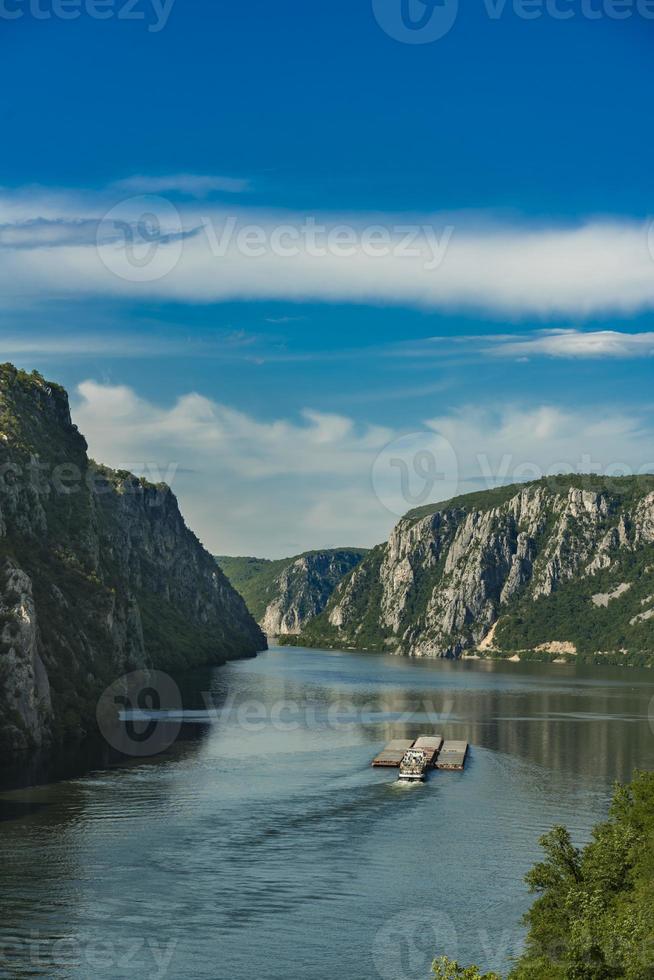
<point>393,753</point>
<point>438,754</point>
<point>452,756</point>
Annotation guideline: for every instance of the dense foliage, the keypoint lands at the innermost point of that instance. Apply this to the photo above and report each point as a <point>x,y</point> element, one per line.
<point>254,578</point>
<point>594,915</point>
<point>616,633</point>
<point>445,969</point>
<point>365,597</point>
<point>593,918</point>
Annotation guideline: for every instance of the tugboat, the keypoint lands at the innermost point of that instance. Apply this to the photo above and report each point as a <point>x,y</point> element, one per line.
<point>413,766</point>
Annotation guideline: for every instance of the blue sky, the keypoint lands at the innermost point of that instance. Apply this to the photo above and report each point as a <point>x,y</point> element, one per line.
<point>267,387</point>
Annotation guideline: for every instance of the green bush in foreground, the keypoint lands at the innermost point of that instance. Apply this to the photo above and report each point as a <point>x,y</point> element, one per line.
<point>444,969</point>
<point>593,918</point>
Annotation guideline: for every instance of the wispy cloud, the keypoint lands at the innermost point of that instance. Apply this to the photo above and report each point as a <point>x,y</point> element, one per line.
<point>225,345</point>
<point>284,319</point>
<point>192,185</point>
<point>576,344</point>
<point>285,484</point>
<point>202,253</point>
<point>559,343</point>
<point>50,233</point>
<point>165,341</point>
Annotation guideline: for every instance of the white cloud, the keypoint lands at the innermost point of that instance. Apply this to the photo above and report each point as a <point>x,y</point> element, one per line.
<point>515,443</point>
<point>203,254</point>
<point>559,343</point>
<point>273,488</point>
<point>576,344</point>
<point>244,485</point>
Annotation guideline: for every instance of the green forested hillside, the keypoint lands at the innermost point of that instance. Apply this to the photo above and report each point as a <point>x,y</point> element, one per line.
<point>304,581</point>
<point>254,578</point>
<point>561,568</point>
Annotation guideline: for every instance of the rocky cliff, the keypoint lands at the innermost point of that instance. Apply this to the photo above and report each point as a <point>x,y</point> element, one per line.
<point>285,594</point>
<point>99,575</point>
<point>556,569</point>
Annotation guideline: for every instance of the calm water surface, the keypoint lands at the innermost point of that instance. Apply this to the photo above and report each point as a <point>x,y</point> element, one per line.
<point>266,846</point>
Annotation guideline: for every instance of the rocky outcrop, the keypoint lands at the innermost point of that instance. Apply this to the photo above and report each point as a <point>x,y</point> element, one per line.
<point>304,588</point>
<point>285,594</point>
<point>99,575</point>
<point>523,565</point>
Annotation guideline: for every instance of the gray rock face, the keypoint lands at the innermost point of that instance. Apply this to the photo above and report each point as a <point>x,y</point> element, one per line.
<point>443,580</point>
<point>303,589</point>
<point>99,575</point>
<point>27,699</point>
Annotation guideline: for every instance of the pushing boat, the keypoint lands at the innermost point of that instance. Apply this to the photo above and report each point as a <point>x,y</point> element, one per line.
<point>413,766</point>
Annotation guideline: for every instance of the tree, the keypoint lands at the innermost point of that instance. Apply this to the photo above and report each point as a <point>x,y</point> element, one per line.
<point>593,917</point>
<point>445,969</point>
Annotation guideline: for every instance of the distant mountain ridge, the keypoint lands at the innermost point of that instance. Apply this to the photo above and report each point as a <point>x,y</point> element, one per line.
<point>560,569</point>
<point>284,594</point>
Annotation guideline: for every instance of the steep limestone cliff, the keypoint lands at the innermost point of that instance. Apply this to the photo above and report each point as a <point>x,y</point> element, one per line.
<point>285,594</point>
<point>99,575</point>
<point>554,568</point>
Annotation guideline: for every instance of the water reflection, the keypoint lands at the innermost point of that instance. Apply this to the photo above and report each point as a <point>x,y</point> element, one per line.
<point>267,845</point>
<point>588,720</point>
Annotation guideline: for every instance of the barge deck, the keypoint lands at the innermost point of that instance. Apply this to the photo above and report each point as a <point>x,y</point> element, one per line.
<point>440,754</point>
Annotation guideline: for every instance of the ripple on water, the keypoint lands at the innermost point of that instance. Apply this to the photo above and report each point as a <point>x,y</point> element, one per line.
<point>282,853</point>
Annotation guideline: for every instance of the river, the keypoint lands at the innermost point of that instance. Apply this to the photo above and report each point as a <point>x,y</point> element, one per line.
<point>263,845</point>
